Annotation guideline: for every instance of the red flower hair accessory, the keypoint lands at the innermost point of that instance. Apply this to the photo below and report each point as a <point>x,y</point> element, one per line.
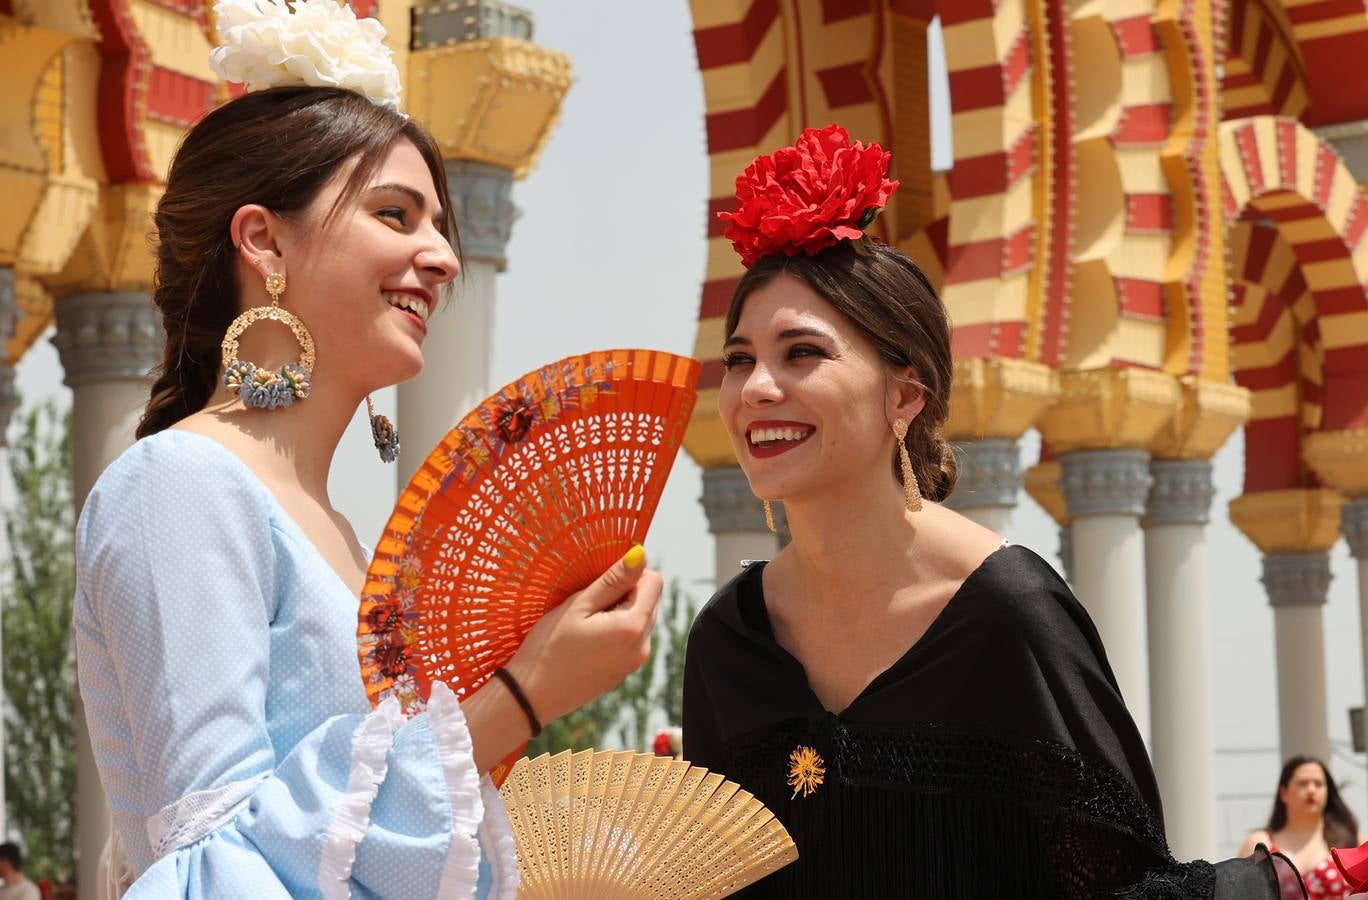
<point>805,198</point>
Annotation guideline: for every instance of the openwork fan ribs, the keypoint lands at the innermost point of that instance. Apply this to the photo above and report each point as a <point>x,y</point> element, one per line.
<point>611,825</point>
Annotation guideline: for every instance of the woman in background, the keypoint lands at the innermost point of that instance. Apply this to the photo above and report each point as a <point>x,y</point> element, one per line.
<point>1308,820</point>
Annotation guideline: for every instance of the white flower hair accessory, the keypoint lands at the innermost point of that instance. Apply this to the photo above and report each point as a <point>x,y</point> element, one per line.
<point>272,43</point>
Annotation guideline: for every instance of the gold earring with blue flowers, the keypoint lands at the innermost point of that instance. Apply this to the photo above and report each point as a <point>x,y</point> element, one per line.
<point>258,387</point>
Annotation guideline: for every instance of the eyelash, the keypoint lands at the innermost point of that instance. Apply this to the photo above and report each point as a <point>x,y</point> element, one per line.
<point>394,212</point>
<point>736,359</point>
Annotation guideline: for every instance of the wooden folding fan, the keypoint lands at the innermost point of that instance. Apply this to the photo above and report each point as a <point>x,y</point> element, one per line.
<point>615,825</point>
<point>527,500</point>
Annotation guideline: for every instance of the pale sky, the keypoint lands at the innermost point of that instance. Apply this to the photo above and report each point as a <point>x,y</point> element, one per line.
<point>609,251</point>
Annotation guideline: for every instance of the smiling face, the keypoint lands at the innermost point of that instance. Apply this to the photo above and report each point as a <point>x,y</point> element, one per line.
<point>1306,791</point>
<point>366,278</point>
<point>806,398</point>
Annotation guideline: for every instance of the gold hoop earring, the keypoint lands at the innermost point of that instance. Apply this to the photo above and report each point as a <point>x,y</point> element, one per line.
<point>769,517</point>
<point>383,432</point>
<point>911,490</point>
<point>260,388</point>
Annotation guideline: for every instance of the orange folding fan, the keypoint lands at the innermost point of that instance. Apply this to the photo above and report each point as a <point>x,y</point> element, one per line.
<point>526,501</point>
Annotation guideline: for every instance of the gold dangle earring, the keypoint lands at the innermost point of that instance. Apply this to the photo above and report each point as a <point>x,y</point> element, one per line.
<point>911,492</point>
<point>383,432</point>
<point>260,388</point>
<point>769,517</point>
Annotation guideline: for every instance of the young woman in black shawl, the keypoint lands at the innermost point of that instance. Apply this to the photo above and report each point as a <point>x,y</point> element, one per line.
<point>929,711</point>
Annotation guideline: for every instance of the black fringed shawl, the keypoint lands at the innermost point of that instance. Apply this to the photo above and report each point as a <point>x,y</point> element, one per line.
<point>994,759</point>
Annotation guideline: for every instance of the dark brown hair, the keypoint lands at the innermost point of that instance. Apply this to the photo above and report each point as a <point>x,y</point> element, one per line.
<point>279,148</point>
<point>891,301</point>
<point>1341,828</point>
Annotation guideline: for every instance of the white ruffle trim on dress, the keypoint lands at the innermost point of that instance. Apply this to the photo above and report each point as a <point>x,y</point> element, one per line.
<point>496,836</point>
<point>461,869</point>
<point>370,751</point>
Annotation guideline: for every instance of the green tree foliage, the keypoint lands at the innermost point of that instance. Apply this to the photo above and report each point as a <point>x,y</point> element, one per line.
<point>581,729</point>
<point>675,621</point>
<point>630,709</point>
<point>638,697</point>
<point>39,667</point>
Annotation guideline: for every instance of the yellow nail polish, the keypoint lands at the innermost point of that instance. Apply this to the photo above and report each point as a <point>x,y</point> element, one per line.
<point>635,557</point>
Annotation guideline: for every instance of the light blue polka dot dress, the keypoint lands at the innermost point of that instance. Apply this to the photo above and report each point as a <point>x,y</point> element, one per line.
<point>218,666</point>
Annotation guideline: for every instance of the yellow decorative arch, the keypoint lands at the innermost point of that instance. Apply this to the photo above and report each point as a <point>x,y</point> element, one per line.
<point>1277,353</point>
<point>27,56</point>
<point>999,211</point>
<point>1264,70</point>
<point>1299,227</point>
<point>50,163</point>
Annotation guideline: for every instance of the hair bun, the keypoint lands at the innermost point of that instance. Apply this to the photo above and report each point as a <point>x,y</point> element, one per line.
<point>948,466</point>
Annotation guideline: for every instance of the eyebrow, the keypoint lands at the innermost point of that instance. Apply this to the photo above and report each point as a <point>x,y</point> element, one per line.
<point>785,335</point>
<point>439,218</point>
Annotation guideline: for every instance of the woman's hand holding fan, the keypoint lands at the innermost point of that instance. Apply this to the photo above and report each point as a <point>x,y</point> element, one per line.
<point>581,649</point>
<point>587,646</point>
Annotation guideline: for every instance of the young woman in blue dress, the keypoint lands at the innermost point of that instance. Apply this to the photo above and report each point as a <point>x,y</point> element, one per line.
<point>216,603</point>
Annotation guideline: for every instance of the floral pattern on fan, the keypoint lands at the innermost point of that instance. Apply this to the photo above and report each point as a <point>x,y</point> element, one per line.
<point>504,421</point>
<point>528,499</point>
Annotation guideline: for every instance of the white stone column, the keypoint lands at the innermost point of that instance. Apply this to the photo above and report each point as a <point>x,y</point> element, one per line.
<point>1354,524</point>
<point>458,352</point>
<point>1105,492</point>
<point>1182,743</point>
<point>737,520</point>
<point>1297,584</point>
<point>108,343</point>
<point>989,480</point>
<point>1066,558</point>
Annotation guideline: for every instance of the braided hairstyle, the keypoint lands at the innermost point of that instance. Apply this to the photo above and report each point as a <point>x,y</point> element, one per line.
<point>891,301</point>
<point>279,148</point>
